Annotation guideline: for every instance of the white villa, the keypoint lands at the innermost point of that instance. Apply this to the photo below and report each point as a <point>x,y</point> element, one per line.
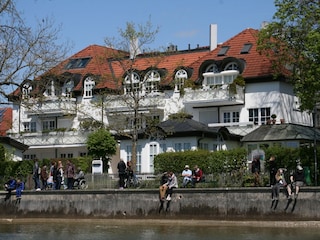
<point>54,113</point>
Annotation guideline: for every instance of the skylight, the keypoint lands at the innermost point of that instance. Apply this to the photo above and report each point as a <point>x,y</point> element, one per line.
<point>77,63</point>
<point>223,50</point>
<point>246,48</point>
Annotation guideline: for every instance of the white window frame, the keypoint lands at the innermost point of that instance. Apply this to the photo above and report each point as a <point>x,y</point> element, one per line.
<point>132,84</point>
<point>217,79</point>
<point>180,77</point>
<point>48,125</point>
<point>30,126</point>
<point>259,116</point>
<point>152,80</point>
<point>88,87</point>
<point>153,151</point>
<point>231,116</point>
<point>26,90</point>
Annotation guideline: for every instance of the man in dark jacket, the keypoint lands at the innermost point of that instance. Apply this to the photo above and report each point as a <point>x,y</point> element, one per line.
<point>122,173</point>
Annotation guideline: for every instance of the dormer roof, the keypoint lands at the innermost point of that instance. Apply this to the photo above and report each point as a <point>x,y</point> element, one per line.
<point>100,61</point>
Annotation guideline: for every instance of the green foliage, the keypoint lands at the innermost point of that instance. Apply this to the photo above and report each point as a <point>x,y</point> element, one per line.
<point>180,115</point>
<point>292,41</point>
<point>91,125</point>
<point>209,162</point>
<point>101,144</point>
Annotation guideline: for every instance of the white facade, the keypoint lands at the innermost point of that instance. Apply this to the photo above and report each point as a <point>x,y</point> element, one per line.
<point>51,125</point>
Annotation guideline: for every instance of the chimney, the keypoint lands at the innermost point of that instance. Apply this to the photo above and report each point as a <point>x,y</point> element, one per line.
<point>213,36</point>
<point>134,48</point>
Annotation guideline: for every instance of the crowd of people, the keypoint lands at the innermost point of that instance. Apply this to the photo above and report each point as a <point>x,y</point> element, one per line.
<point>56,176</point>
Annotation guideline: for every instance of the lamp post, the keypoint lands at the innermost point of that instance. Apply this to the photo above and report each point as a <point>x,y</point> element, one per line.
<point>315,146</point>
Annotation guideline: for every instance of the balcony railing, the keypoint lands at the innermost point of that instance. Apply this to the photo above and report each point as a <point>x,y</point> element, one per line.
<point>51,138</point>
<point>52,106</point>
<point>218,95</point>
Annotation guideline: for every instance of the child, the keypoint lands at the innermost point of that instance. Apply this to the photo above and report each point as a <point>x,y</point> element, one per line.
<point>9,186</point>
<point>19,190</point>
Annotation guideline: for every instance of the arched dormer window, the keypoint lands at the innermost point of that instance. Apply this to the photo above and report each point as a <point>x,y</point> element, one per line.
<point>212,68</point>
<point>152,81</point>
<point>231,66</point>
<point>213,77</point>
<point>88,87</point>
<point>132,83</point>
<point>180,77</point>
<point>67,88</point>
<point>26,90</point>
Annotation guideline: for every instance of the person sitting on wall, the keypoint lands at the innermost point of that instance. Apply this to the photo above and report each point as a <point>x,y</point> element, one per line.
<point>19,190</point>
<point>10,186</point>
<point>187,176</point>
<point>197,176</point>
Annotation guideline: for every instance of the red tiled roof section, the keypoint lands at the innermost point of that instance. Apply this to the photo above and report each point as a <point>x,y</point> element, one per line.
<point>256,65</point>
<point>5,120</point>
<point>98,64</point>
<point>168,61</point>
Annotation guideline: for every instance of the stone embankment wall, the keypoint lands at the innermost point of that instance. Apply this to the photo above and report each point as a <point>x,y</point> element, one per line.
<point>235,203</point>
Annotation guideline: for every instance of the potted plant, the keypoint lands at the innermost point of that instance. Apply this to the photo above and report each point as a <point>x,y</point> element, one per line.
<point>273,116</point>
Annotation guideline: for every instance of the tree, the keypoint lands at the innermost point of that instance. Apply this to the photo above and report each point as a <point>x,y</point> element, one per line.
<point>133,40</point>
<point>292,41</point>
<point>101,144</point>
<point>25,52</point>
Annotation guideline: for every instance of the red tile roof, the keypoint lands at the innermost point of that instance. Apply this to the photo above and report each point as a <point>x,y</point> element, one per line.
<point>104,64</point>
<point>5,120</point>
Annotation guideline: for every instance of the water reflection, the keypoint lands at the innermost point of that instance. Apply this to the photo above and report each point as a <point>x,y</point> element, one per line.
<point>105,230</point>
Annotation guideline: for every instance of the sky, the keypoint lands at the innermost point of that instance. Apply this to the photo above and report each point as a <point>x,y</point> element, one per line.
<point>180,22</point>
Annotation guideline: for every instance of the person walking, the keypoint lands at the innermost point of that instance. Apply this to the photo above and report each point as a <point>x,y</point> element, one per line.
<point>122,173</point>
<point>70,173</point>
<point>255,169</point>
<point>36,175</point>
<point>44,177</point>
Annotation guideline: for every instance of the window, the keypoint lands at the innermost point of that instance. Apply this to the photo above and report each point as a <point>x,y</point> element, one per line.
<point>66,91</point>
<point>179,147</point>
<point>224,77</point>
<point>88,87</point>
<point>259,115</point>
<point>138,123</point>
<point>29,156</point>
<point>153,153</point>
<point>152,80</point>
<point>223,50</point>
<point>48,125</point>
<point>30,126</point>
<point>180,77</point>
<point>63,155</point>
<point>186,146</point>
<point>163,148</point>
<point>83,154</point>
<point>204,146</point>
<point>26,90</point>
<point>70,155</point>
<point>129,156</point>
<point>138,165</point>
<point>132,84</point>
<point>212,68</point>
<point>231,117</point>
<point>246,48</point>
<point>231,66</point>
<point>77,63</point>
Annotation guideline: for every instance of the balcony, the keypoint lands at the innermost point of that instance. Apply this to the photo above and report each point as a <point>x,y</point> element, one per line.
<point>54,138</point>
<point>219,95</point>
<point>51,107</point>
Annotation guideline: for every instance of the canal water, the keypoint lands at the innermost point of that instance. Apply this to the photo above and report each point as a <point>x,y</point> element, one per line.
<point>151,230</point>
